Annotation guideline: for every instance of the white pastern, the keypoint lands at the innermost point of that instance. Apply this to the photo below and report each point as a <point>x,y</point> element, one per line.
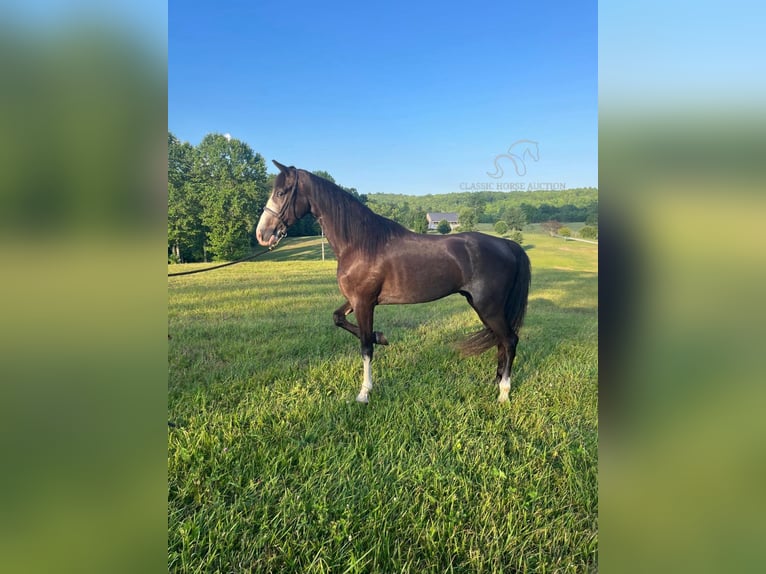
<point>505,388</point>
<point>364,392</point>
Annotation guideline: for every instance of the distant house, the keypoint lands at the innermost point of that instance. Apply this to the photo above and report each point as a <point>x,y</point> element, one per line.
<point>435,217</point>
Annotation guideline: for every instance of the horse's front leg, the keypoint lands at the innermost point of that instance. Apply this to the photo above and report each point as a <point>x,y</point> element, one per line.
<point>339,317</point>
<point>364,315</point>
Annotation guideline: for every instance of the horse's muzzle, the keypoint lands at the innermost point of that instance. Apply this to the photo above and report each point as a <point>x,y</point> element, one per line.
<point>270,242</point>
<point>271,228</point>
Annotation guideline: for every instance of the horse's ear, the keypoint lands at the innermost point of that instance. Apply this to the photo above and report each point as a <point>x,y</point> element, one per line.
<point>282,168</point>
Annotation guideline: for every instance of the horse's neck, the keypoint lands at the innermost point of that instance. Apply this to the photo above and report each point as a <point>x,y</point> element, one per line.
<point>322,210</point>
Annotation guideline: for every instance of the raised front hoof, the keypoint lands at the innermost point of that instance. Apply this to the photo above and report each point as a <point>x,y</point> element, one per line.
<point>364,399</point>
<point>380,338</point>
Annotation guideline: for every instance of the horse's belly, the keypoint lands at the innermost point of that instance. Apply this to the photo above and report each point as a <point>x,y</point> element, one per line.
<point>417,283</point>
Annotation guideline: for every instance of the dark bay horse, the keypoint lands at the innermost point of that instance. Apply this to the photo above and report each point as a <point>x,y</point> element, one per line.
<point>382,263</point>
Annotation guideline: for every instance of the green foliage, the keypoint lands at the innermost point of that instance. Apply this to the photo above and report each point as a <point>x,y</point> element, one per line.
<point>444,227</point>
<point>234,192</point>
<point>517,236</point>
<point>501,227</point>
<point>515,217</point>
<point>273,467</point>
<point>419,221</point>
<point>589,232</point>
<point>324,175</point>
<point>467,218</point>
<point>228,216</point>
<point>216,192</point>
<point>565,231</point>
<point>537,206</point>
<point>592,217</point>
<point>478,204</point>
<point>186,233</point>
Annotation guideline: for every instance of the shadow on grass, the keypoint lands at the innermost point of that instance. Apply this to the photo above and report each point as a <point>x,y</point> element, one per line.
<point>301,249</point>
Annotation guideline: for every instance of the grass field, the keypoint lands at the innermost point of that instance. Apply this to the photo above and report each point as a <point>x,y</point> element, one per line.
<point>273,467</point>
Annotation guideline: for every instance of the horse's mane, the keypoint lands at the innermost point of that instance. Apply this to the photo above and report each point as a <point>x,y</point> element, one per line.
<point>354,223</point>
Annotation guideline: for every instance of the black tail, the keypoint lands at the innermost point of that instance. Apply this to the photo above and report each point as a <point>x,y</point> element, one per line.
<point>515,308</point>
<point>516,304</point>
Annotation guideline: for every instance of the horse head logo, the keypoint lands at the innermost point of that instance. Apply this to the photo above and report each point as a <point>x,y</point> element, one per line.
<point>524,148</point>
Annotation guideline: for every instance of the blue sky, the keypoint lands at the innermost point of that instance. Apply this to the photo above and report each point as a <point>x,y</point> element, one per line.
<point>660,55</point>
<point>392,97</point>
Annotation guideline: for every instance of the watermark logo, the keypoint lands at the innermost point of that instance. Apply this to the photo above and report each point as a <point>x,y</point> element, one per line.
<point>520,154</point>
<point>517,154</point>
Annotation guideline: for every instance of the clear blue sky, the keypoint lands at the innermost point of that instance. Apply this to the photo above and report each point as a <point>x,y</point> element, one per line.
<point>398,97</point>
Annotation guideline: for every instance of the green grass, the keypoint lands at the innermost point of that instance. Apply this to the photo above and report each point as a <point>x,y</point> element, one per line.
<point>274,467</point>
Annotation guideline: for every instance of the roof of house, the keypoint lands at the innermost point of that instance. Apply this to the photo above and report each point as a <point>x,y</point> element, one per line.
<point>438,216</point>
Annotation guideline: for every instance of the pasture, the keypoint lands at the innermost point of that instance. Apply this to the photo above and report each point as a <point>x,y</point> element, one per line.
<point>273,466</point>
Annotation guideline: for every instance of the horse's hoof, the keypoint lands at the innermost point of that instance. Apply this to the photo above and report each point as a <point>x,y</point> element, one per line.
<point>380,339</point>
<point>364,399</point>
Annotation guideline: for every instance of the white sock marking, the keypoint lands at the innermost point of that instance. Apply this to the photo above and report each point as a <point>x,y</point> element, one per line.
<point>363,396</point>
<point>505,387</point>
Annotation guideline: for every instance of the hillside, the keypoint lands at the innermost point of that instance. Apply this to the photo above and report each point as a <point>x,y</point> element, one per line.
<point>566,205</point>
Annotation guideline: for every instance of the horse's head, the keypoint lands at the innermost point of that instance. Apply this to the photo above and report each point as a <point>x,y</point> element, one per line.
<point>285,206</point>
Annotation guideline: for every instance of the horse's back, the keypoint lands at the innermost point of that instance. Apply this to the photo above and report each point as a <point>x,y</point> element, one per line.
<point>419,268</point>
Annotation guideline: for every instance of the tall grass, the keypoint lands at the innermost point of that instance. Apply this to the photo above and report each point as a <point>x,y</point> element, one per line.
<point>273,467</point>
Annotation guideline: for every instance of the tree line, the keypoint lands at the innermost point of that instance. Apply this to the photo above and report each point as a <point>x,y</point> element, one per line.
<point>216,193</point>
<point>218,188</point>
<point>579,204</point>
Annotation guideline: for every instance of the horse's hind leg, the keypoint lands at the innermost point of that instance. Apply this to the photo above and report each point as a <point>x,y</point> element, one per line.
<point>501,355</point>
<point>493,317</point>
<point>339,317</point>
<point>504,383</point>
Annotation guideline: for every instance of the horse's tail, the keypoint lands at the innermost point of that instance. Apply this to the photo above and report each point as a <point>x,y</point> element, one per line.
<point>515,308</point>
<point>516,304</point>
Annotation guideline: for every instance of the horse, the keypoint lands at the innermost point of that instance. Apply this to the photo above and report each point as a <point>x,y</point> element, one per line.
<point>382,263</point>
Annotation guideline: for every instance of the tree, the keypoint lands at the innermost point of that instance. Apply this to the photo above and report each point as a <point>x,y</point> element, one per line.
<point>324,175</point>
<point>180,160</point>
<point>401,214</point>
<point>531,213</point>
<point>515,218</point>
<point>419,221</point>
<point>547,212</point>
<point>517,236</point>
<point>501,227</point>
<point>186,236</point>
<point>226,212</point>
<point>186,233</point>
<point>565,232</point>
<point>478,203</point>
<point>444,227</point>
<point>233,183</point>
<point>467,219</point>
<point>592,217</point>
<point>589,232</point>
<point>551,226</point>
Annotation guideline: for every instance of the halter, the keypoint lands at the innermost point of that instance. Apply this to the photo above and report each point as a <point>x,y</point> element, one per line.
<point>281,216</point>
